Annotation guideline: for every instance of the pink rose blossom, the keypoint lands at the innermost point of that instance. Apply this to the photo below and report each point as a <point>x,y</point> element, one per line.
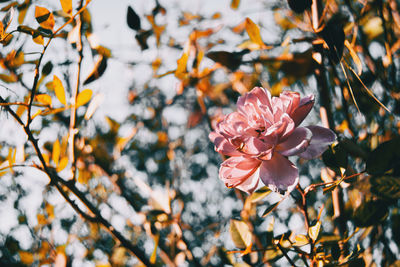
<point>261,135</point>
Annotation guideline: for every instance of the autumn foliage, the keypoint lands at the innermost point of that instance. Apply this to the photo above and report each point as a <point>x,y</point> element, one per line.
<point>153,148</point>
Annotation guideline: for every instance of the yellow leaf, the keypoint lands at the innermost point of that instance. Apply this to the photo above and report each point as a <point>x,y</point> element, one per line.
<point>354,56</point>
<point>37,38</point>
<point>181,69</point>
<point>240,234</point>
<point>66,6</point>
<point>12,78</point>
<point>41,219</point>
<point>83,97</point>
<point>50,210</point>
<point>235,4</point>
<point>55,155</point>
<point>44,99</point>
<point>153,256</point>
<point>63,163</point>
<point>22,9</point>
<point>20,110</point>
<point>11,157</point>
<point>44,17</point>
<point>254,32</point>
<point>46,158</point>
<point>59,90</point>
<point>300,240</point>
<point>26,257</point>
<point>313,231</point>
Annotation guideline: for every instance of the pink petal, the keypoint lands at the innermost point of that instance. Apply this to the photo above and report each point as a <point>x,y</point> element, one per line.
<point>257,96</point>
<point>305,106</point>
<point>296,143</point>
<point>222,145</point>
<point>321,139</point>
<point>254,146</point>
<point>282,129</point>
<point>237,171</point>
<point>291,100</point>
<point>279,174</point>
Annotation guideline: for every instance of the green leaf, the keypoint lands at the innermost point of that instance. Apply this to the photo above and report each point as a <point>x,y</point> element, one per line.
<point>370,213</point>
<point>386,186</point>
<point>240,234</point>
<point>384,158</point>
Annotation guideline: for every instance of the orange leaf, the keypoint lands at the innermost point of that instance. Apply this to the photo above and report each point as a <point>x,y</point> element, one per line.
<point>62,164</point>
<point>254,32</point>
<point>55,155</point>
<point>66,6</point>
<point>44,99</point>
<point>354,56</point>
<point>83,97</point>
<point>44,17</point>
<point>235,4</point>
<point>59,90</point>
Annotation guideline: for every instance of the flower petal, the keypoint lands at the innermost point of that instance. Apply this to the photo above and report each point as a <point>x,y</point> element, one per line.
<point>296,143</point>
<point>321,139</point>
<point>240,172</point>
<point>222,145</point>
<point>305,106</point>
<point>279,174</point>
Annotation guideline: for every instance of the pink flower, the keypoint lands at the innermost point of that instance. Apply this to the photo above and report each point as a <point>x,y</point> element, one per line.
<point>261,135</point>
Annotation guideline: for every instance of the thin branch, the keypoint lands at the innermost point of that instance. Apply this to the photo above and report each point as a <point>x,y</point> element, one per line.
<point>36,77</point>
<point>72,123</point>
<point>56,181</point>
<point>285,254</point>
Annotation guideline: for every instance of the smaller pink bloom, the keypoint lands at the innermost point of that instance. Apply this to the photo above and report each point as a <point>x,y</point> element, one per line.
<point>260,136</point>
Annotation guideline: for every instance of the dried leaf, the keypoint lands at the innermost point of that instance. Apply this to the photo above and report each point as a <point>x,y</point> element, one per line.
<point>94,104</point>
<point>300,240</point>
<point>354,56</point>
<point>314,230</point>
<point>44,17</point>
<point>7,20</point>
<point>83,97</point>
<point>240,234</point>
<point>59,90</point>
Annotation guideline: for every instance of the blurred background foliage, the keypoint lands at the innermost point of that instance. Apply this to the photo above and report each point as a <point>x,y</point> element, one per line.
<point>85,182</point>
